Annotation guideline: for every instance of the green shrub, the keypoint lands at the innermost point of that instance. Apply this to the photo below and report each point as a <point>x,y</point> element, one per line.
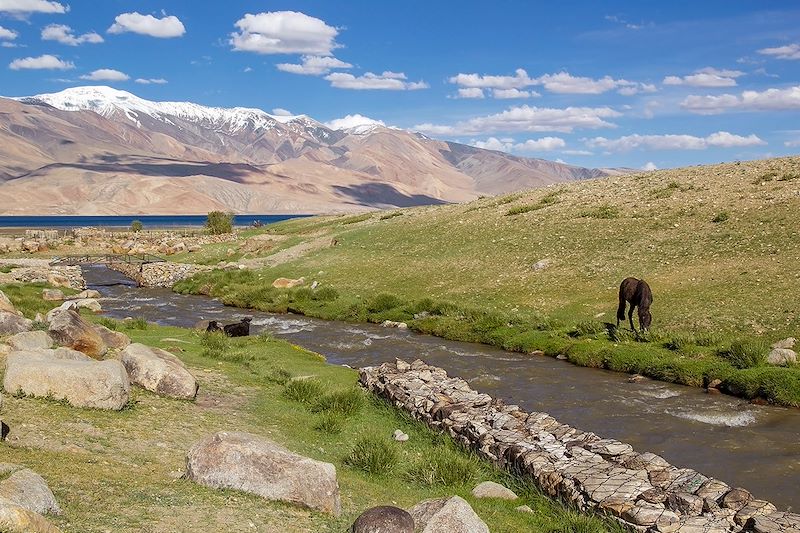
<point>522,209</point>
<point>325,294</point>
<point>589,327</point>
<point>137,226</point>
<point>722,216</point>
<point>303,294</point>
<point>110,323</point>
<point>383,302</point>
<point>678,343</point>
<point>215,344</point>
<point>281,376</point>
<point>746,354</point>
<point>219,222</point>
<point>373,455</point>
<point>345,402</point>
<point>330,422</point>
<point>136,323</point>
<point>305,391</point>
<point>445,466</point>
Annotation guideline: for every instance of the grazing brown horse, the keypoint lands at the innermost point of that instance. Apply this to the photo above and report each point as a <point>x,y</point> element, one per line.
<point>637,293</point>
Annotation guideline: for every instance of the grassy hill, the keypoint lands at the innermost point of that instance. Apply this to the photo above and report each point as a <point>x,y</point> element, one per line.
<point>719,245</point>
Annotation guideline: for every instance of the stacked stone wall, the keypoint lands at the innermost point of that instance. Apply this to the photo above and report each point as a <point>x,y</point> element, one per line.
<point>642,490</point>
<point>161,274</point>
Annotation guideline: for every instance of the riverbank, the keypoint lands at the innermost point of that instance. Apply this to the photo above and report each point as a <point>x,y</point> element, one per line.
<point>121,471</point>
<point>539,271</point>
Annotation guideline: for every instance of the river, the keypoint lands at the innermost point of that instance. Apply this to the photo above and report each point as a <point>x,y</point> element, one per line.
<point>755,447</point>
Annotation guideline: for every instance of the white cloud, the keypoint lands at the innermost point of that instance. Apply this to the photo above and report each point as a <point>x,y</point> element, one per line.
<point>720,139</point>
<point>577,152</point>
<point>792,144</point>
<point>353,121</point>
<point>248,69</point>
<point>64,34</point>
<point>106,74</point>
<point>545,144</point>
<point>470,92</point>
<point>565,83</point>
<point>629,25</point>
<point>31,6</point>
<point>706,77</point>
<point>508,94</point>
<point>281,112</point>
<point>561,82</point>
<point>151,81</point>
<point>518,81</point>
<point>391,81</point>
<point>43,62</point>
<point>5,33</point>
<point>767,100</point>
<point>284,32</point>
<point>8,44</point>
<point>789,51</point>
<point>314,65</point>
<point>649,166</point>
<point>166,27</point>
<point>527,118</point>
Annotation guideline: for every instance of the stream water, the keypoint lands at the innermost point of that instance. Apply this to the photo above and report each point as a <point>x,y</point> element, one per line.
<point>756,447</point>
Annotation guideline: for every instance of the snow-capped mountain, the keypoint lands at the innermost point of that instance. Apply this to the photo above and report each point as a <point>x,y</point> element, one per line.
<point>101,150</point>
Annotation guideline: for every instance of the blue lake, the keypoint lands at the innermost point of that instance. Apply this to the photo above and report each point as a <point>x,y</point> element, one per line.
<point>122,221</point>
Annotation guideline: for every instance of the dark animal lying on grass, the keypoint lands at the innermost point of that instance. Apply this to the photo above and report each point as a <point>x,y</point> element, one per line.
<point>213,325</point>
<point>637,293</point>
<point>238,329</point>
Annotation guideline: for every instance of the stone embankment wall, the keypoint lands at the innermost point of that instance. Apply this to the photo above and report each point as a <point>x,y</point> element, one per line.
<point>161,274</point>
<point>26,270</point>
<point>642,490</point>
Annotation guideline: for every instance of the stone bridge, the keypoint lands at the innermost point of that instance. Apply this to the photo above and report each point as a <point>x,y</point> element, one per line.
<point>146,270</point>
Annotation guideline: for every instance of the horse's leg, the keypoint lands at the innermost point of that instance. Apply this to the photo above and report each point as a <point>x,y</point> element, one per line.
<point>630,317</point>
<point>621,310</point>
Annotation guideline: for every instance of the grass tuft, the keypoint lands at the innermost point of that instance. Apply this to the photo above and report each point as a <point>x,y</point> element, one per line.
<point>305,391</point>
<point>746,354</point>
<point>346,402</point>
<point>445,467</point>
<point>373,455</point>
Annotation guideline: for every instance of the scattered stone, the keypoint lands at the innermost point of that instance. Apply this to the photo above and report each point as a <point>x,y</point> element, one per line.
<point>714,384</point>
<point>86,294</point>
<point>541,264</point>
<point>393,324</point>
<point>399,436</point>
<point>159,371</point>
<point>6,305</point>
<point>246,462</point>
<point>26,488</point>
<point>88,303</point>
<point>636,378</point>
<point>113,339</point>
<point>383,519</point>
<point>287,283</point>
<point>30,340</point>
<point>81,383</point>
<point>58,280</point>
<point>12,323</point>
<point>782,357</point>
<point>447,515</point>
<point>314,285</point>
<point>524,509</point>
<point>69,329</point>
<point>53,295</point>
<point>736,499</point>
<point>490,489</point>
<point>785,344</point>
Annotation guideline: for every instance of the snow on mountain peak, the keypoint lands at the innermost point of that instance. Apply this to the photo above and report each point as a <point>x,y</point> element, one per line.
<point>355,124</point>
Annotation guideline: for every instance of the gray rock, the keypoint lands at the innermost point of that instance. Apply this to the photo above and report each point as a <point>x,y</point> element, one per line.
<point>159,371</point>
<point>786,344</point>
<point>779,522</point>
<point>82,383</point>
<point>246,462</point>
<point>782,357</point>
<point>69,329</point>
<point>88,303</point>
<point>16,519</point>
<point>685,503</point>
<point>447,515</point>
<point>27,489</point>
<point>652,515</point>
<point>113,339</point>
<point>736,499</point>
<point>12,323</point>
<point>713,489</point>
<point>88,293</point>
<point>754,508</point>
<point>53,295</point>
<point>30,340</point>
<point>6,305</point>
<point>490,489</point>
<point>383,519</point>
<point>69,304</point>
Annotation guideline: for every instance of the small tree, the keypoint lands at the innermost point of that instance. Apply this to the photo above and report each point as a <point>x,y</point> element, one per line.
<point>137,226</point>
<point>219,222</point>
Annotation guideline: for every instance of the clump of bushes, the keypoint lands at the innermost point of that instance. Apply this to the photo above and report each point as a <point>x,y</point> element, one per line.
<point>373,455</point>
<point>219,222</point>
<point>722,216</point>
<point>136,323</point>
<point>303,390</point>
<point>444,467</point>
<point>215,344</point>
<point>346,402</point>
<point>746,354</point>
<point>137,226</point>
<point>383,302</point>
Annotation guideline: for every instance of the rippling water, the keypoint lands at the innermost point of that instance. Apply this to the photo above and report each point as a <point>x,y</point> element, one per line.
<point>755,447</point>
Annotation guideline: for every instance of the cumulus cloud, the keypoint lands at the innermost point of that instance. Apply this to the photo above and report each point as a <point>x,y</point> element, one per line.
<point>767,100</point>
<point>151,81</point>
<point>470,92</point>
<point>545,144</point>
<point>706,77</point>
<point>106,74</point>
<point>284,32</point>
<point>5,33</point>
<point>353,121</point>
<point>22,7</point>
<point>281,112</point>
<point>164,28</point>
<point>65,35</point>
<point>314,65</point>
<point>789,51</point>
<point>649,166</point>
<point>720,139</point>
<point>43,62</point>
<point>389,81</point>
<point>792,144</point>
<point>509,94</point>
<point>561,82</point>
<point>527,118</point>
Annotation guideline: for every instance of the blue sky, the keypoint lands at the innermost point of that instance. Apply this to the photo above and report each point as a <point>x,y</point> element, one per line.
<point>637,84</point>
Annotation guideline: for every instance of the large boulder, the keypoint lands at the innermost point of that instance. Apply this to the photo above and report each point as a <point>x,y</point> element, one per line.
<point>27,489</point>
<point>782,357</point>
<point>52,295</point>
<point>445,515</point>
<point>69,329</point>
<point>30,340</point>
<point>490,489</point>
<point>113,339</point>
<point>12,323</point>
<point>383,519</point>
<point>246,462</point>
<point>159,371</point>
<point>69,304</point>
<point>88,303</point>
<point>287,283</point>
<point>6,305</point>
<point>16,519</point>
<point>62,375</point>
